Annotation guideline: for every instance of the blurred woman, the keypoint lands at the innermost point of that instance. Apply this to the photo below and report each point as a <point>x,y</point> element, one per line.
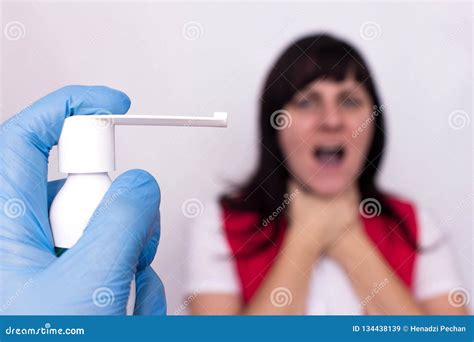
<point>311,232</point>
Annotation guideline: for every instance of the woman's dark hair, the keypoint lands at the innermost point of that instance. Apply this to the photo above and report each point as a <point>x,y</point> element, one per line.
<point>304,61</point>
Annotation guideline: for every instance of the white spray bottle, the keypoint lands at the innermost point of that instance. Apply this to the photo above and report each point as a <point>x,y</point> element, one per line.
<point>86,152</point>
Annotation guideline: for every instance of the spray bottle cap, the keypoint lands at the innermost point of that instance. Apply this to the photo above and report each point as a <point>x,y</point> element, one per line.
<point>87,143</point>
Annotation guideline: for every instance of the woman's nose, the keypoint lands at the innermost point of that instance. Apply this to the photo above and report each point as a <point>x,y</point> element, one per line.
<point>331,120</point>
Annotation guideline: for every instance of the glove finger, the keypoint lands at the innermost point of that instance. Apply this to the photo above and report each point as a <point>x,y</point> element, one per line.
<point>53,189</point>
<point>149,252</point>
<point>108,252</point>
<point>26,141</point>
<point>151,298</point>
<point>18,254</point>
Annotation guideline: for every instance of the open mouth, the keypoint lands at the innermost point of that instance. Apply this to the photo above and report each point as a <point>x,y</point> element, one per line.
<point>329,155</point>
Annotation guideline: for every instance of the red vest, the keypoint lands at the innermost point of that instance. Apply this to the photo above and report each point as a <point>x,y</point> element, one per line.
<point>244,233</point>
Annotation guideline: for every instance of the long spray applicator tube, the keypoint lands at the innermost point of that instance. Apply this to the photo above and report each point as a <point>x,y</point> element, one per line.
<point>86,151</point>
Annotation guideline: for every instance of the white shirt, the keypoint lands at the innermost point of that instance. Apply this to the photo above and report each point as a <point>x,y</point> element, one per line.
<point>212,269</point>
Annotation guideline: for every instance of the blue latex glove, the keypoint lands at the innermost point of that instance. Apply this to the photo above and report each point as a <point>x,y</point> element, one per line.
<point>93,277</point>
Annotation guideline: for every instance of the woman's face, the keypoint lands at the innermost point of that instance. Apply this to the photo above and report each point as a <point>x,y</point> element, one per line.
<point>327,140</point>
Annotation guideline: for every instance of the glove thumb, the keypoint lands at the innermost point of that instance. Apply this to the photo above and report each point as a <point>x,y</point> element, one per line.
<point>116,235</point>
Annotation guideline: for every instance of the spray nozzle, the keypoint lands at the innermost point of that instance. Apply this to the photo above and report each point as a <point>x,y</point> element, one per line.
<point>87,143</point>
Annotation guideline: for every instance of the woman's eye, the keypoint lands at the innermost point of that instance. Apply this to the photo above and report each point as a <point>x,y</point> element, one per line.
<point>304,103</point>
<point>350,103</point>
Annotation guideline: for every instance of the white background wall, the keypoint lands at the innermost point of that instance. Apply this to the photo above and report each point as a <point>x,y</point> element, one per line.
<point>421,55</point>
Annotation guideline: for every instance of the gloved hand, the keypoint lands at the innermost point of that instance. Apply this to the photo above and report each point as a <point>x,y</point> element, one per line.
<point>94,276</point>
